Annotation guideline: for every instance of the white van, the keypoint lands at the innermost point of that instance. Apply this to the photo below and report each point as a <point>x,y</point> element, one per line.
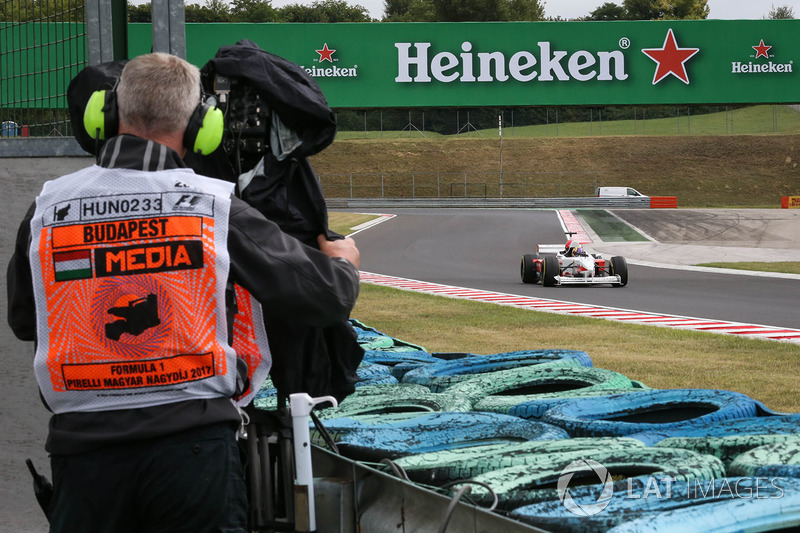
<point>618,192</point>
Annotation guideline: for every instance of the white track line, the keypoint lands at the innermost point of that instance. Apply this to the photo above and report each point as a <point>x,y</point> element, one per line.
<point>370,223</point>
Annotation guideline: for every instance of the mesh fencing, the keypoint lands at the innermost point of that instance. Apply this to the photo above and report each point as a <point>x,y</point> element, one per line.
<point>42,47</point>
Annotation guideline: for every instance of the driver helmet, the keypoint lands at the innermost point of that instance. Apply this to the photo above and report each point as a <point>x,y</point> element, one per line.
<point>574,247</point>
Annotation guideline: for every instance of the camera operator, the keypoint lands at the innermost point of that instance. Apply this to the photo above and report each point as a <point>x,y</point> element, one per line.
<point>156,455</point>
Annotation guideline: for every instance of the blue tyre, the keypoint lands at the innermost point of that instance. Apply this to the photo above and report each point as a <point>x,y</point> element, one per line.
<point>649,410</point>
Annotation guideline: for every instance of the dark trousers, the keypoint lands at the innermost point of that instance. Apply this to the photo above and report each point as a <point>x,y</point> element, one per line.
<point>188,482</point>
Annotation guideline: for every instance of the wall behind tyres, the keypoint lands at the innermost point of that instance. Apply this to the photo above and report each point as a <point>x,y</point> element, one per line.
<point>525,63</point>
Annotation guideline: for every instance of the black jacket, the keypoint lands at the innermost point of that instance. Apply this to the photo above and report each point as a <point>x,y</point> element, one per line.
<point>291,280</point>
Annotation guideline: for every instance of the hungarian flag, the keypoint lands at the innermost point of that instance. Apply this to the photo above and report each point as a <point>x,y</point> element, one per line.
<point>73,265</point>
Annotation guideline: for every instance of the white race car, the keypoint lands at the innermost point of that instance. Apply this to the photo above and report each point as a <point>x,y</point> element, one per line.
<point>571,265</point>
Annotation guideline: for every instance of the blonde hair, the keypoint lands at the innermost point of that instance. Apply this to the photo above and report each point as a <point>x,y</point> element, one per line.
<point>157,93</point>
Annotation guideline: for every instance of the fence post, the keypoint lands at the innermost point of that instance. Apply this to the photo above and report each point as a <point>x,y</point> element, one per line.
<point>169,27</point>
<point>383,191</point>
<point>99,32</point>
<point>351,185</point>
<point>413,185</point>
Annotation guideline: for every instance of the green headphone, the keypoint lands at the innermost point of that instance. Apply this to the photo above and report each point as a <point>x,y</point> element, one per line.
<point>203,134</point>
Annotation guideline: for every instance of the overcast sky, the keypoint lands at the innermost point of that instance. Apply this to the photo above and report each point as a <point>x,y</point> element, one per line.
<point>567,9</point>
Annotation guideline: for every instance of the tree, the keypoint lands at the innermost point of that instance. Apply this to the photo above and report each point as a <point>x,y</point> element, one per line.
<point>684,9</point>
<point>780,13</point>
<point>641,10</point>
<point>665,9</point>
<point>324,11</point>
<point>253,11</point>
<point>213,11</point>
<point>468,10</point>
<point>140,13</point>
<point>409,11</point>
<point>525,10</point>
<point>40,11</point>
<point>608,11</point>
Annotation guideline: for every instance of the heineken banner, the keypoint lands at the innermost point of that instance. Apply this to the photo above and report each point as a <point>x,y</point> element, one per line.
<point>525,63</point>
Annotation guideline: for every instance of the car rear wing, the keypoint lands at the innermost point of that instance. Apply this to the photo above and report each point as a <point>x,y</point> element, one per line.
<point>549,248</point>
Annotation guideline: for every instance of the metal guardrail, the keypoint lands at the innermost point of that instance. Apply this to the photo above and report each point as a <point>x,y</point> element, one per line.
<point>41,147</point>
<point>507,203</point>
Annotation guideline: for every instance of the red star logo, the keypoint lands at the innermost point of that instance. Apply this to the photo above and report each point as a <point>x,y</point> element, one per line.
<point>670,59</point>
<point>325,54</point>
<point>761,49</point>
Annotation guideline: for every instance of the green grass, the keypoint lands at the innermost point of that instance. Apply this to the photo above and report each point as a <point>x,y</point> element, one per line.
<point>345,222</point>
<point>751,120</point>
<point>786,267</point>
<point>658,357</point>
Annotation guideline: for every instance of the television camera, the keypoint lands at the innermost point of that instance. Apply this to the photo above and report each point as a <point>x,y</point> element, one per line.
<point>247,121</point>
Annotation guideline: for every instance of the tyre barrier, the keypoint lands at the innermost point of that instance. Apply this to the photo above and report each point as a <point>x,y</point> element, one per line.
<point>536,407</point>
<point>440,376</point>
<point>517,486</point>
<point>364,441</point>
<point>781,459</point>
<point>374,374</point>
<point>725,448</point>
<point>436,468</point>
<point>515,386</point>
<point>687,434</point>
<point>759,425</point>
<point>739,514</point>
<point>649,410</point>
<point>400,362</point>
<point>372,339</point>
<point>388,399</point>
<point>635,499</point>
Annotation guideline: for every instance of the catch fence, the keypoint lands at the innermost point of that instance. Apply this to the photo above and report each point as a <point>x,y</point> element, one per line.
<point>43,46</point>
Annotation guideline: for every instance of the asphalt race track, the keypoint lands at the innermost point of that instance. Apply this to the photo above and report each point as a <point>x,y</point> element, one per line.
<point>482,248</point>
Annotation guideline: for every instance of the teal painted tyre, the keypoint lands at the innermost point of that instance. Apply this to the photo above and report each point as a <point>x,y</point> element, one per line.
<point>505,390</point>
<point>764,423</point>
<point>365,441</point>
<point>372,339</point>
<point>517,486</point>
<point>637,499</point>
<point>440,376</point>
<point>439,467</point>
<point>725,448</point>
<point>740,514</point>
<point>394,399</point>
<point>651,410</point>
<point>781,459</point>
<point>515,386</point>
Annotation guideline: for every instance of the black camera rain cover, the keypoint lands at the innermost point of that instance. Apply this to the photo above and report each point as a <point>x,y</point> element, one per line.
<point>287,89</point>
